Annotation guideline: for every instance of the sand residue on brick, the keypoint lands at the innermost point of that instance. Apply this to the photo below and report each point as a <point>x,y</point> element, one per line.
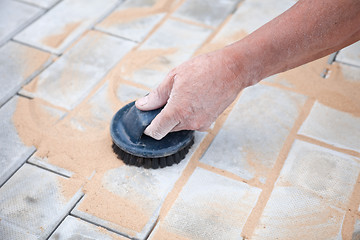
<point>56,40</point>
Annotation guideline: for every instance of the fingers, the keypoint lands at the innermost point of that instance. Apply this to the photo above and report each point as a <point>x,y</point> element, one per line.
<point>158,97</point>
<point>164,122</point>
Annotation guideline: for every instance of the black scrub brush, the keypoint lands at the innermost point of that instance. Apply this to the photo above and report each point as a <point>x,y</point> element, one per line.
<point>135,148</point>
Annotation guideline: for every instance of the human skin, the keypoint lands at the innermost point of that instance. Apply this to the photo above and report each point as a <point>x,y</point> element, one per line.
<point>196,92</point>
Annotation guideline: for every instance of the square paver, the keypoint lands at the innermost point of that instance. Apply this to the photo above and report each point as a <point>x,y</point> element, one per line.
<point>68,81</point>
<point>36,201</point>
<point>295,214</point>
<point>13,152</point>
<point>18,64</point>
<point>64,23</point>
<point>332,126</point>
<point>350,55</point>
<point>135,19</point>
<point>209,206</point>
<point>138,193</point>
<point>42,3</point>
<point>329,174</point>
<point>75,228</point>
<point>14,16</point>
<point>251,138</point>
<point>211,13</point>
<point>173,43</point>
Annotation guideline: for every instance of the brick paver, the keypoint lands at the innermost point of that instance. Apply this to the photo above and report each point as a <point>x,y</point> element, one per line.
<point>281,163</point>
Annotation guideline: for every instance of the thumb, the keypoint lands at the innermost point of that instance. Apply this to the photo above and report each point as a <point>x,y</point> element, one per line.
<point>162,124</point>
<point>158,97</point>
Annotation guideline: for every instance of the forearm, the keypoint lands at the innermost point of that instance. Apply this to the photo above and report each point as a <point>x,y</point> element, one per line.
<point>307,31</point>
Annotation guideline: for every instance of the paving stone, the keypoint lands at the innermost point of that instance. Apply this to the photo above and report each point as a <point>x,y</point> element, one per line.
<point>350,73</point>
<point>19,64</point>
<point>44,163</point>
<point>350,55</point>
<point>135,19</point>
<point>42,3</point>
<point>75,228</point>
<point>36,201</point>
<point>127,93</point>
<point>211,13</point>
<point>14,16</point>
<point>330,175</point>
<point>13,152</point>
<point>143,189</point>
<point>64,23</point>
<point>250,15</point>
<point>292,213</point>
<point>9,231</point>
<point>334,127</point>
<point>87,62</point>
<point>173,43</point>
<point>253,134</point>
<point>356,234</point>
<point>200,212</point>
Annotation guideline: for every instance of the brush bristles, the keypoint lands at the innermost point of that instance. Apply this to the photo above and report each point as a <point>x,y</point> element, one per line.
<point>153,163</point>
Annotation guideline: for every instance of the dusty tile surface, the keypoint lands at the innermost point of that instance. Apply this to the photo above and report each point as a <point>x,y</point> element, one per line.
<point>17,66</point>
<point>282,162</point>
<point>14,16</point>
<point>250,140</point>
<point>335,127</point>
<point>64,23</point>
<point>200,212</point>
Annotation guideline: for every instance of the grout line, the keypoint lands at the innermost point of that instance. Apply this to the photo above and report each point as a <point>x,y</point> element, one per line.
<point>257,211</point>
<point>95,29</point>
<point>348,64</point>
<point>47,169</point>
<point>96,224</point>
<point>36,47</point>
<point>152,229</point>
<point>31,4</point>
<point>351,213</point>
<point>332,57</point>
<point>17,169</point>
<point>62,220</point>
<point>327,145</point>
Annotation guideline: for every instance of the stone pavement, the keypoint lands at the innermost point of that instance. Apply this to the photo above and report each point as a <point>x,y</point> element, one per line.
<point>282,162</point>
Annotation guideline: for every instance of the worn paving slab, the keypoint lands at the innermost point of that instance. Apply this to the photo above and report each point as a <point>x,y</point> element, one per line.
<point>143,191</point>
<point>13,152</point>
<point>253,134</point>
<point>14,16</point>
<point>173,43</point>
<point>36,201</point>
<point>332,126</point>
<point>356,234</point>
<point>293,213</point>
<point>211,13</point>
<point>19,64</point>
<point>209,206</point>
<point>328,174</point>
<point>135,19</point>
<point>350,55</point>
<point>64,23</point>
<point>75,228</point>
<point>350,73</point>
<point>41,3</point>
<point>87,63</point>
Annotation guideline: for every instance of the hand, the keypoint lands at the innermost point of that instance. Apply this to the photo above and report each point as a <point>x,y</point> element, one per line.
<point>195,94</point>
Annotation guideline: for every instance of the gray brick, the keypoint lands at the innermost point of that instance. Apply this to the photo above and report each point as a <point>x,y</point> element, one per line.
<point>330,175</point>
<point>41,3</point>
<point>211,13</point>
<point>127,93</point>
<point>33,200</point>
<point>146,189</point>
<point>334,127</point>
<point>13,152</point>
<point>44,163</point>
<point>87,63</point>
<point>210,206</point>
<point>64,23</point>
<point>350,73</point>
<point>75,228</point>
<point>173,43</point>
<point>9,231</point>
<point>134,19</point>
<point>14,16</point>
<point>17,66</point>
<point>292,213</point>
<point>350,55</point>
<point>356,234</point>
<point>251,138</point>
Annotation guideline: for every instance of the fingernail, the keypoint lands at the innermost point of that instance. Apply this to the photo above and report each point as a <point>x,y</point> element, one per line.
<point>142,101</point>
